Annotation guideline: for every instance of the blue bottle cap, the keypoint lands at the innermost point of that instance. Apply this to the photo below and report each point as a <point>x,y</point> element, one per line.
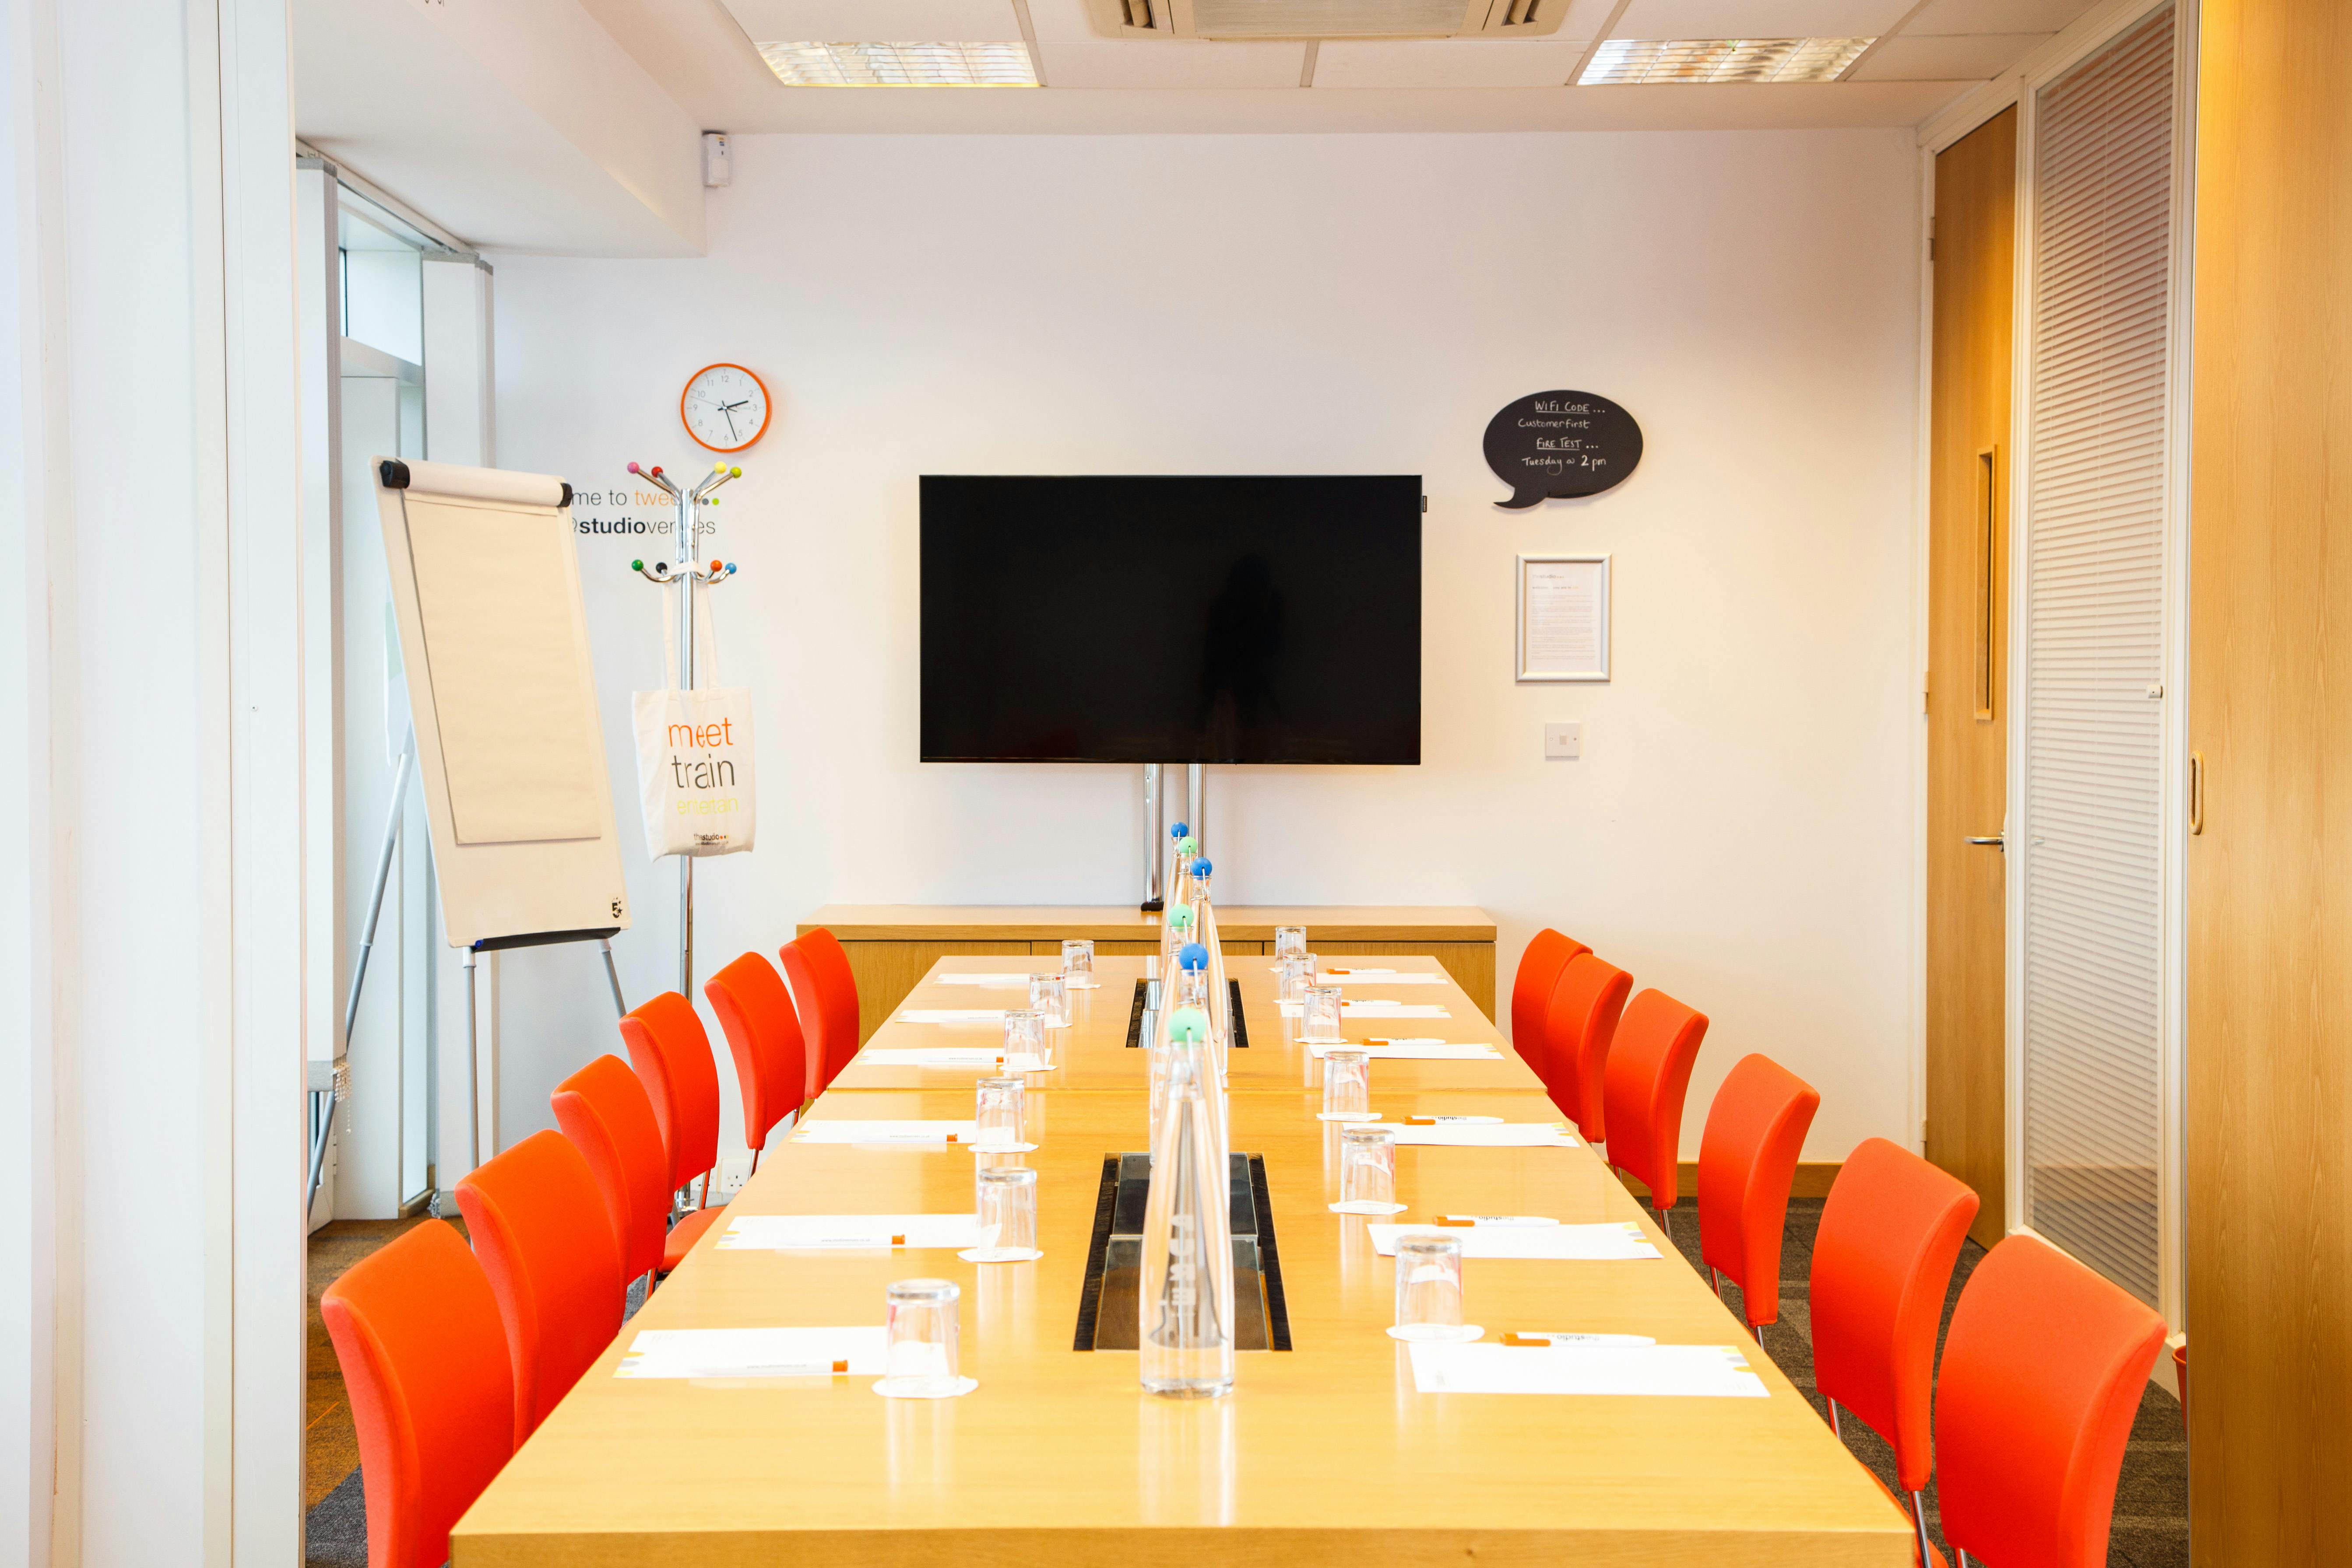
<point>1180,916</point>
<point>1202,868</point>
<point>1189,1025</point>
<point>1178,831</point>
<point>1195,955</point>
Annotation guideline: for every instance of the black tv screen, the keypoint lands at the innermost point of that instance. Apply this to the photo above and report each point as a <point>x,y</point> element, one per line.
<point>1143,619</point>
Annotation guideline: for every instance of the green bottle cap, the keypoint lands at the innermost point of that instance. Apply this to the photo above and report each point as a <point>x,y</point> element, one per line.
<point>1187,844</point>
<point>1189,1025</point>
<point>1180,916</point>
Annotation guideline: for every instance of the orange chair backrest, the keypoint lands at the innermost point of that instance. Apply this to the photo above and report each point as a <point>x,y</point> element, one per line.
<point>2042,1376</point>
<point>603,1110</point>
<point>671,1052</point>
<point>539,1226</point>
<point>1547,953</point>
<point>756,1015</point>
<point>1579,1024</point>
<point>425,1362</point>
<point>1882,1263</point>
<point>827,995</point>
<point>1747,1161</point>
<point>1642,1089</point>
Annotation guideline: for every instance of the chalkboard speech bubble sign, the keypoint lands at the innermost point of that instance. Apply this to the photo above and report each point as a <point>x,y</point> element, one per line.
<point>1561,444</point>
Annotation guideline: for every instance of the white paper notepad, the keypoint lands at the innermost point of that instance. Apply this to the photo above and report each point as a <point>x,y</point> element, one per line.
<point>1610,1243</point>
<point>993,982</point>
<point>952,1057</point>
<point>912,1134</point>
<point>951,1015</point>
<point>1694,1371</point>
<point>754,1352</point>
<point>817,1232</point>
<point>1487,1135</point>
<point>1409,1050</point>
<point>1375,977</point>
<point>1377,1007</point>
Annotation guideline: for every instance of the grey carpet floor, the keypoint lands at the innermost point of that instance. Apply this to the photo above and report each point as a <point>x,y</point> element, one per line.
<point>2151,1525</point>
<point>2151,1519</point>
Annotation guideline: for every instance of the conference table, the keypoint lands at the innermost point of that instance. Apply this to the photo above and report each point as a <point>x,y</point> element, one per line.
<point>1325,1452</point>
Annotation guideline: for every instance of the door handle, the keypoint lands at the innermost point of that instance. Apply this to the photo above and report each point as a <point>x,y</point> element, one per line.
<point>1999,841</point>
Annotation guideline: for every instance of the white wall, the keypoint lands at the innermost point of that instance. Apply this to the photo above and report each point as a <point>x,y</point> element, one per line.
<point>1737,829</point>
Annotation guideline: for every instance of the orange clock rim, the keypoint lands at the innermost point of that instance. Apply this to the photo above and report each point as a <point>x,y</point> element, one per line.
<point>767,406</point>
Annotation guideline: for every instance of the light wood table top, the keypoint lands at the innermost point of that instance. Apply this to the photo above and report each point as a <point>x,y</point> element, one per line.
<point>1273,1059</point>
<point>1323,1453</point>
<point>1116,922</point>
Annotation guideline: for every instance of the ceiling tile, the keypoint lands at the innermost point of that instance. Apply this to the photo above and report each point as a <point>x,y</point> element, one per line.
<point>1942,17</point>
<point>1760,18</point>
<point>1450,62</point>
<point>876,21</point>
<point>1171,63</point>
<point>1063,22</point>
<point>1958,57</point>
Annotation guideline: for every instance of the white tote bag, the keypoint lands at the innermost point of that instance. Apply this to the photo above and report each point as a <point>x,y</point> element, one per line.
<point>694,751</point>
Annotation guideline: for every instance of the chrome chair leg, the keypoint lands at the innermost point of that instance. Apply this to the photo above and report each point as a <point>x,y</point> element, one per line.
<point>1835,1430</point>
<point>1919,1526</point>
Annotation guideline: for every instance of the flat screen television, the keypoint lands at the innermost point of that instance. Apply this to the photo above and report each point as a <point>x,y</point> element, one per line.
<point>1146,619</point>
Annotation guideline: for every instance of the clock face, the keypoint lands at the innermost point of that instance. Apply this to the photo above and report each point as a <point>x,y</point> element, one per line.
<point>724,407</point>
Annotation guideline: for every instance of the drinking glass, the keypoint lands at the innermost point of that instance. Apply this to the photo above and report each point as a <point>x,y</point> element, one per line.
<point>1428,1289</point>
<point>1319,1013</point>
<point>1367,1171</point>
<point>918,1329</point>
<point>1346,1086</point>
<point>1024,1034</point>
<point>1005,1204</point>
<point>997,1112</point>
<point>1289,941</point>
<point>1296,971</point>
<point>1049,998</point>
<point>1079,962</point>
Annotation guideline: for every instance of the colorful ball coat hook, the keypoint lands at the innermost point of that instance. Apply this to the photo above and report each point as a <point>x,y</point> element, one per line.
<point>1188,1025</point>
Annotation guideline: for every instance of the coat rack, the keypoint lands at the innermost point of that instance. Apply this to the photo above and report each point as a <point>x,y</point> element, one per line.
<point>688,570</point>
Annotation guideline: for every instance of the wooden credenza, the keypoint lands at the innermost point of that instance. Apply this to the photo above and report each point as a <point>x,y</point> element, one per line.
<point>891,946</point>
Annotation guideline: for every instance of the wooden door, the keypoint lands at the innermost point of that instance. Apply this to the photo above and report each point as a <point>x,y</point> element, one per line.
<point>2269,1042</point>
<point>1968,658</point>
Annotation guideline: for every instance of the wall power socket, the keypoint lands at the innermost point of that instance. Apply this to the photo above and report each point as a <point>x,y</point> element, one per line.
<point>1564,740</point>
<point>734,1169</point>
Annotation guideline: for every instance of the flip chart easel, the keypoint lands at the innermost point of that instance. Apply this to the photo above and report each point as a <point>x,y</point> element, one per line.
<point>504,727</point>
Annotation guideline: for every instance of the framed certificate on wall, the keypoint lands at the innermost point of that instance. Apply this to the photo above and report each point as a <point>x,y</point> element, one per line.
<point>1563,617</point>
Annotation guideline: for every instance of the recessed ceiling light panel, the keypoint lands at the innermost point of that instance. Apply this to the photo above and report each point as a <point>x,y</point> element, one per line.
<point>900,65</point>
<point>1621,62</point>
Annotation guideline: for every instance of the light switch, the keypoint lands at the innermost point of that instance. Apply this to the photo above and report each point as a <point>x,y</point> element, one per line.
<point>1564,740</point>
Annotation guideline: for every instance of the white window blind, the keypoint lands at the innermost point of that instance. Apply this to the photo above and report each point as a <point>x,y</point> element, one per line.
<point>2096,463</point>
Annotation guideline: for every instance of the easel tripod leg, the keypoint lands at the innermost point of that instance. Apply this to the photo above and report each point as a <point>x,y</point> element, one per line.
<point>614,976</point>
<point>473,1073</point>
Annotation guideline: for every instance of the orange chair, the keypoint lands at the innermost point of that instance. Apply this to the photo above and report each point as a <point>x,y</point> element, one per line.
<point>603,1110</point>
<point>1643,1090</point>
<point>424,1360</point>
<point>1579,1024</point>
<point>1746,1160</point>
<point>826,992</point>
<point>764,1033</point>
<point>671,1053</point>
<point>1882,1262</point>
<point>540,1228</point>
<point>1547,953</point>
<point>2042,1376</point>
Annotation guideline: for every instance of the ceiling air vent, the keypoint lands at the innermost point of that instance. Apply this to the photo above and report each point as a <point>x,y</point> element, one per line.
<point>1326,18</point>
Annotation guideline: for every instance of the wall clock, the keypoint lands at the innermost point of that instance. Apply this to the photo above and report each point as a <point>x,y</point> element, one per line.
<point>724,407</point>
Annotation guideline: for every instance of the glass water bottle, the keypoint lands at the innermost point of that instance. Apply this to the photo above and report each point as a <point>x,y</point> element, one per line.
<point>1187,1301</point>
